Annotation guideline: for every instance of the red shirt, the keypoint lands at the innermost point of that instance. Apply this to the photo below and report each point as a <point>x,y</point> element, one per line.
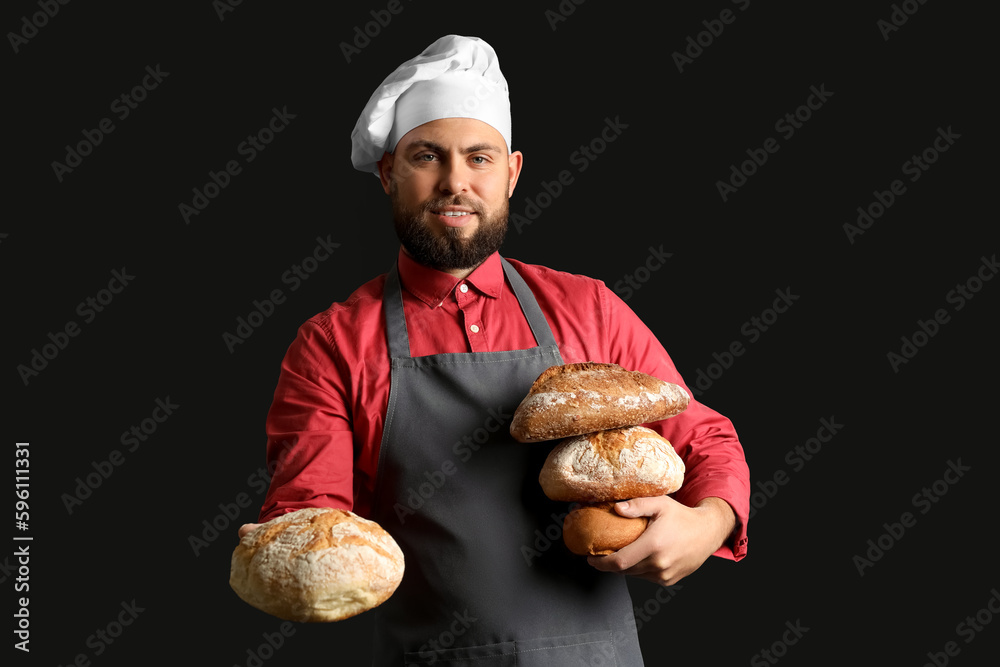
<point>325,424</point>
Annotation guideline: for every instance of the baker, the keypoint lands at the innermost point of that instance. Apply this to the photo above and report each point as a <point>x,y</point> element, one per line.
<point>390,403</point>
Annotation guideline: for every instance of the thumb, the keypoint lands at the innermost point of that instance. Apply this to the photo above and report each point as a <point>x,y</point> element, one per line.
<point>246,528</point>
<point>637,507</point>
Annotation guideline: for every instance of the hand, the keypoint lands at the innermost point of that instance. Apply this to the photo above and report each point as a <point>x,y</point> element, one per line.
<point>677,540</point>
<point>246,528</point>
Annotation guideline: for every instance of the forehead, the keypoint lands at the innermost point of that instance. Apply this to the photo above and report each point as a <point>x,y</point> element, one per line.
<point>454,134</point>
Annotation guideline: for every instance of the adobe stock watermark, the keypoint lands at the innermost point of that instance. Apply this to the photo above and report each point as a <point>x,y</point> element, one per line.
<point>967,629</point>
<point>602,653</point>
<point>248,149</point>
<point>546,538</point>
<point>8,569</point>
<point>957,298</point>
<point>22,616</point>
<point>88,309</point>
<point>914,168</point>
<point>104,637</point>
<point>133,438</point>
<point>786,125</point>
<point>293,276</point>
<point>463,449</point>
<point>923,501</point>
<point>214,527</point>
<point>562,12</point>
<point>779,647</point>
<point>651,606</point>
<point>30,25</point>
<point>796,458</point>
<point>363,34</point>
<point>898,17</point>
<point>632,282</point>
<point>223,7</point>
<point>581,158</point>
<point>752,330</point>
<point>431,650</point>
<point>714,28</point>
<point>273,641</point>
<point>122,106</point>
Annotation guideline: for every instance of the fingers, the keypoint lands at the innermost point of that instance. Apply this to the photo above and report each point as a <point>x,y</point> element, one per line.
<point>651,568</point>
<point>647,544</point>
<point>631,559</point>
<point>656,555</point>
<point>246,528</point>
<point>635,558</point>
<point>652,507</point>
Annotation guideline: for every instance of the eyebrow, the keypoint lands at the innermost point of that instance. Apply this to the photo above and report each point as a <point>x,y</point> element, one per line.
<point>475,148</point>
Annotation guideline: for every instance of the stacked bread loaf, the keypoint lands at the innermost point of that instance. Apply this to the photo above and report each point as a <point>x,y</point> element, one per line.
<point>605,454</point>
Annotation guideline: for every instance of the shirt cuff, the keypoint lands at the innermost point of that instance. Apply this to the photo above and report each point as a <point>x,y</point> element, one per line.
<point>735,546</point>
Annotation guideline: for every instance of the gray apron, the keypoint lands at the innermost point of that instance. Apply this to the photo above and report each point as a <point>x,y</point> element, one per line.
<point>488,581</point>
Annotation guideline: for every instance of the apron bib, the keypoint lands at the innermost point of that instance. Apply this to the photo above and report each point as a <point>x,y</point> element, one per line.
<point>488,581</point>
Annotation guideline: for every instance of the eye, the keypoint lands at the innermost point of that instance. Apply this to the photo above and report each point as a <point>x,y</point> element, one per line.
<point>480,159</point>
<point>426,157</point>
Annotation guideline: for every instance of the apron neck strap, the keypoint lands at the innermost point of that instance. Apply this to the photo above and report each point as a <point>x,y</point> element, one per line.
<point>529,306</point>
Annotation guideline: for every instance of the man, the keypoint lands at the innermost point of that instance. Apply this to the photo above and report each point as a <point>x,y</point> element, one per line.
<point>396,402</point>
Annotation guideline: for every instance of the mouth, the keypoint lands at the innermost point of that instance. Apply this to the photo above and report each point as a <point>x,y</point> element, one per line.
<point>454,217</point>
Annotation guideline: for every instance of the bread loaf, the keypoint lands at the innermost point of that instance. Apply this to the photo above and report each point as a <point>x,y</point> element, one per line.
<point>598,530</point>
<point>616,464</point>
<point>316,564</point>
<point>574,399</point>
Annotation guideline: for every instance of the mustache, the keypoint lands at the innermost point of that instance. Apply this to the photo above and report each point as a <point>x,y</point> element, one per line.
<point>437,204</point>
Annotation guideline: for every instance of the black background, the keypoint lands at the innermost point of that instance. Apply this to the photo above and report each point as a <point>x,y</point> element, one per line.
<point>653,187</point>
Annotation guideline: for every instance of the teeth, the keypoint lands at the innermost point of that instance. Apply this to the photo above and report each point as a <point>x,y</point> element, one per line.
<point>454,214</point>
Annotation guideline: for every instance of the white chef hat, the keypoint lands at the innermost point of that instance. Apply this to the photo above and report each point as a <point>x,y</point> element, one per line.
<point>455,77</point>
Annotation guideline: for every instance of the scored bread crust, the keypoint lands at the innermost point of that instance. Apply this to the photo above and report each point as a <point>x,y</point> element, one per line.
<point>616,464</point>
<point>574,399</point>
<point>597,529</point>
<point>316,565</point>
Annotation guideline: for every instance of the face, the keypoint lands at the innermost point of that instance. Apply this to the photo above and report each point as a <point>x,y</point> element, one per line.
<point>450,182</point>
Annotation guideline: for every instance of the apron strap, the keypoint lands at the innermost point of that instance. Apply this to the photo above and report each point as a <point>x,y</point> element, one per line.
<point>395,321</point>
<point>529,306</point>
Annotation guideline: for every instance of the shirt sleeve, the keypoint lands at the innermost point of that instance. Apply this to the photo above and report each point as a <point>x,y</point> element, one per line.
<point>714,460</point>
<point>309,439</point>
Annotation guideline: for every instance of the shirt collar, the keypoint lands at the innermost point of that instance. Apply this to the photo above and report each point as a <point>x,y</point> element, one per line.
<point>432,286</point>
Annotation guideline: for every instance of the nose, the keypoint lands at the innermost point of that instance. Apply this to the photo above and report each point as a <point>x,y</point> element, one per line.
<point>454,177</point>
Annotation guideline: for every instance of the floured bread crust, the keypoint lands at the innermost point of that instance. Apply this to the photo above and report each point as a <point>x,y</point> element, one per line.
<point>316,565</point>
<point>574,399</point>
<point>616,464</point>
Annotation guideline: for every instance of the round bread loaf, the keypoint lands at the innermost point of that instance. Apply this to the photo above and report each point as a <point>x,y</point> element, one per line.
<point>316,565</point>
<point>574,399</point>
<point>616,464</point>
<point>598,530</point>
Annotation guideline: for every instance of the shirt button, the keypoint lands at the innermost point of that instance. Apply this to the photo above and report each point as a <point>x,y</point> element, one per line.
<point>474,328</point>
<point>463,288</point>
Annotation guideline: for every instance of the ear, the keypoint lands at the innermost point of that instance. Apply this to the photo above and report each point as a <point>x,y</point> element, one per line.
<point>514,163</point>
<point>385,170</point>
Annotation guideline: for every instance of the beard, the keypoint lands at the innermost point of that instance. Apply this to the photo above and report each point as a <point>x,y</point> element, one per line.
<point>449,249</point>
